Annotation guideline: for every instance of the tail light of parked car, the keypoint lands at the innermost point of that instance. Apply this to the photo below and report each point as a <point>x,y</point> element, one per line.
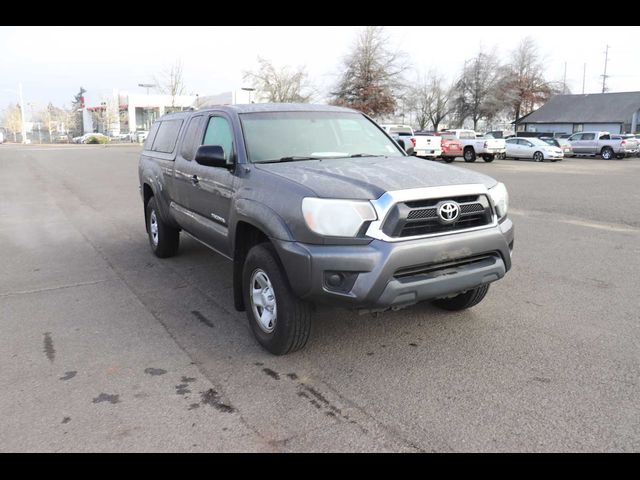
<point>413,140</point>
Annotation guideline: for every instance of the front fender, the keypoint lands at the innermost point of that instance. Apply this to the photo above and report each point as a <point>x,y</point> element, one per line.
<point>260,216</point>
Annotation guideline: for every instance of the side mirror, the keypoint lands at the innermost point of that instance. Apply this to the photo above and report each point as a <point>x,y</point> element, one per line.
<point>212,156</point>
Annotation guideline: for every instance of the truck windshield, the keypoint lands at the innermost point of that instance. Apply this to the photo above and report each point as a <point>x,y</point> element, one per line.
<point>275,136</point>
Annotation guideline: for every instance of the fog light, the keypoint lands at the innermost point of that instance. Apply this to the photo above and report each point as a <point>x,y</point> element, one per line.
<point>339,281</point>
<point>335,280</point>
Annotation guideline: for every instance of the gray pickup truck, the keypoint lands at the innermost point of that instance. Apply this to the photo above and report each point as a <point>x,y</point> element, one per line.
<point>603,144</point>
<point>317,204</point>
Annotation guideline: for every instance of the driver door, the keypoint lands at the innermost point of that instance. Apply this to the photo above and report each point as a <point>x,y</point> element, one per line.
<point>213,187</point>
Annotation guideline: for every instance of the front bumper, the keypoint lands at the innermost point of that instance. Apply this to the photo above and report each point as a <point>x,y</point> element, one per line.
<point>377,268</point>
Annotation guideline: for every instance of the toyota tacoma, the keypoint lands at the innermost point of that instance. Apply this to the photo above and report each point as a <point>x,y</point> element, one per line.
<point>317,204</point>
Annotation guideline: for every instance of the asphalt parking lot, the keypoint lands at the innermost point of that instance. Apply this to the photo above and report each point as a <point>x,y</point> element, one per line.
<point>106,348</point>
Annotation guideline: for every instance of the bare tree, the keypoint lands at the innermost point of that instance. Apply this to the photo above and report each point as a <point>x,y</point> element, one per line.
<point>53,119</point>
<point>107,114</point>
<point>523,83</point>
<point>12,118</point>
<point>280,85</point>
<point>171,81</point>
<point>431,100</point>
<point>372,74</point>
<point>477,89</point>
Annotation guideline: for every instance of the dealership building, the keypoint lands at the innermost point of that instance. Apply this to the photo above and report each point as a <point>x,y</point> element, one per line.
<point>123,112</point>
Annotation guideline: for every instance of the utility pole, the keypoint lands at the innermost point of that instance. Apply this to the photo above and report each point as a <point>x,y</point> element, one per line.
<point>564,80</point>
<point>23,126</point>
<point>604,76</point>
<point>584,76</point>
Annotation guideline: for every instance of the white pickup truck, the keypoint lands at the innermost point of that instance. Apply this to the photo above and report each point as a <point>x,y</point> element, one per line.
<point>602,143</point>
<point>427,145</point>
<point>474,146</point>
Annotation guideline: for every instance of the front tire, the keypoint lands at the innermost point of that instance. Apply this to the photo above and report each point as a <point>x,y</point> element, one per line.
<point>469,155</point>
<point>463,301</point>
<point>163,238</point>
<point>280,321</point>
<point>448,159</point>
<point>488,158</point>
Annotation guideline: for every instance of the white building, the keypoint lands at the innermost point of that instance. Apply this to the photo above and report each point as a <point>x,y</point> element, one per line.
<point>124,112</point>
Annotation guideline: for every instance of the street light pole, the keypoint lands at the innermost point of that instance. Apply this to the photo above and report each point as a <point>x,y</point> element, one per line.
<point>248,89</point>
<point>23,126</point>
<point>147,86</point>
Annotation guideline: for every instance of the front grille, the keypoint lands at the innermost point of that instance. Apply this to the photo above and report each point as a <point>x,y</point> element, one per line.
<point>420,217</point>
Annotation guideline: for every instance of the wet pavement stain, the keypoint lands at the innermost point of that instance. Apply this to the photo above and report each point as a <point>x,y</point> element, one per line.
<point>66,420</point>
<point>542,379</point>
<point>187,379</point>
<point>258,364</point>
<point>413,344</point>
<point>202,318</point>
<point>193,406</point>
<point>105,397</point>
<point>68,375</point>
<point>154,371</point>
<point>49,351</point>
<point>292,376</point>
<point>369,353</point>
<point>212,398</point>
<point>182,389</point>
<point>320,402</point>
<point>271,373</point>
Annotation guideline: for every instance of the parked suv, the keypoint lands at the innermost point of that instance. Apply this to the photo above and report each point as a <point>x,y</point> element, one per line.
<point>317,204</point>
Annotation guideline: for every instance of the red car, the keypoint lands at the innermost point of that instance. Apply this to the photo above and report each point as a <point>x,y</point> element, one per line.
<point>451,147</point>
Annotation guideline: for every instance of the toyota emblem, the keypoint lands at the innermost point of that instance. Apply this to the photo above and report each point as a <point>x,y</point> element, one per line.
<point>448,211</point>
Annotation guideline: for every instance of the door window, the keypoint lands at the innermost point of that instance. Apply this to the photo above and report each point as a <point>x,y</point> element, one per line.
<point>192,138</point>
<point>219,133</point>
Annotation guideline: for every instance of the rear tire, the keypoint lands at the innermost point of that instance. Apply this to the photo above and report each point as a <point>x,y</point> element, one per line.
<point>469,155</point>
<point>606,153</point>
<point>463,301</point>
<point>163,238</point>
<point>620,156</point>
<point>538,157</point>
<point>283,323</point>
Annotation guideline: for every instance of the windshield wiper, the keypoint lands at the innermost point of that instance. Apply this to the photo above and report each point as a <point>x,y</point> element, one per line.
<point>291,159</point>
<point>365,155</point>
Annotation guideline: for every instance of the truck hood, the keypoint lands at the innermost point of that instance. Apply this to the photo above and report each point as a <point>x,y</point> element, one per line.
<point>368,178</point>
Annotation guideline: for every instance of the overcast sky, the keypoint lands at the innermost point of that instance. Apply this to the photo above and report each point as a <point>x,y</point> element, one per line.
<point>53,62</point>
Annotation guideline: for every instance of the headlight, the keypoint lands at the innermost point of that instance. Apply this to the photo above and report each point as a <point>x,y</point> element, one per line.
<point>500,198</point>
<point>336,218</point>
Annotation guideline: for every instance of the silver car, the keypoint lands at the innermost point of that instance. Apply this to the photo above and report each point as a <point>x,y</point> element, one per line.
<point>531,147</point>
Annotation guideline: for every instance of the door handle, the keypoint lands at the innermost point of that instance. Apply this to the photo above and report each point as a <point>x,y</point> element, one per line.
<point>195,180</point>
